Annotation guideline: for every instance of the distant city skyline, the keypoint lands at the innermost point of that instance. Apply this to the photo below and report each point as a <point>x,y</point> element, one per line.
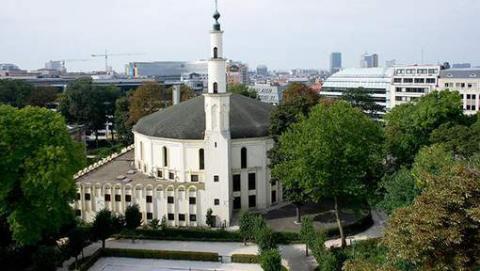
<point>280,34</point>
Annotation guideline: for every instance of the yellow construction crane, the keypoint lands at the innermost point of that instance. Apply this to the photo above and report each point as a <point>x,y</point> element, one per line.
<point>106,55</point>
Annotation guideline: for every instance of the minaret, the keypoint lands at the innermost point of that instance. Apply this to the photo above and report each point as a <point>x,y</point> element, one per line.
<point>217,130</point>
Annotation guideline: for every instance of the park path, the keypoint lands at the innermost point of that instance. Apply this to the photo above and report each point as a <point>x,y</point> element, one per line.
<point>293,256</point>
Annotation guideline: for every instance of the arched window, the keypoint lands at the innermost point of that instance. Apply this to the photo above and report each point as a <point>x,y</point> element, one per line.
<point>243,158</point>
<point>215,87</point>
<point>201,159</point>
<point>165,157</point>
<point>215,52</point>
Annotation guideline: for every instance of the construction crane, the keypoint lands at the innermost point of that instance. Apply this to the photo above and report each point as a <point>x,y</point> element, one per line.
<point>106,55</point>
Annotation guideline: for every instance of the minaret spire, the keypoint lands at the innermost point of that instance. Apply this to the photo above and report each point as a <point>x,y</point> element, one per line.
<point>216,16</point>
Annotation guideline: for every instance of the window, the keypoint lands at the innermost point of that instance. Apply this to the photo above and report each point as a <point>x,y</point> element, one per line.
<point>78,196</point>
<point>237,203</point>
<point>215,52</point>
<point>193,218</point>
<point>470,85</point>
<point>274,196</point>
<point>236,183</point>
<point>170,200</point>
<point>410,71</point>
<point>274,182</point>
<point>462,85</point>
<point>159,174</point>
<point>252,201</point>
<point>165,157</point>
<point>201,159</point>
<point>251,181</point>
<point>446,85</point>
<point>149,199</point>
<point>181,217</point>
<point>422,71</point>
<point>215,87</point>
<point>419,80</point>
<point>216,179</point>
<point>408,80</point>
<point>171,175</point>
<point>243,157</point>
<point>432,71</point>
<point>128,198</point>
<point>149,216</point>
<point>118,198</point>
<point>216,202</point>
<point>397,80</point>
<point>171,217</point>
<point>398,89</point>
<point>431,81</point>
<point>78,212</point>
<point>107,197</point>
<point>398,98</point>
<point>87,196</point>
<point>141,150</point>
<point>194,178</point>
<point>192,200</point>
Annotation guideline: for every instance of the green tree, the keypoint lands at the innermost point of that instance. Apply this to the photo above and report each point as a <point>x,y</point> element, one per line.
<point>299,90</point>
<point>247,226</point>
<point>77,240</point>
<point>408,126</point>
<point>242,90</point>
<point>307,231</point>
<point>440,230</point>
<point>186,93</point>
<point>271,260</point>
<point>148,99</point>
<point>264,238</point>
<point>460,139</point>
<point>45,259</point>
<point>399,190</point>
<point>362,98</point>
<point>39,159</point>
<point>15,92</point>
<point>122,122</point>
<point>154,224</point>
<point>41,96</point>
<point>102,226</point>
<point>338,161</point>
<point>133,217</point>
<point>210,219</point>
<point>325,258</point>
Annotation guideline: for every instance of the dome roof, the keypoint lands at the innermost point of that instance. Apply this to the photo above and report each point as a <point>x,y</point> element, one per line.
<point>248,118</point>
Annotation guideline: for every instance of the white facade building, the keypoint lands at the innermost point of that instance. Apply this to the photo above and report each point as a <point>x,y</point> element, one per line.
<point>411,82</point>
<point>209,152</point>
<point>465,81</point>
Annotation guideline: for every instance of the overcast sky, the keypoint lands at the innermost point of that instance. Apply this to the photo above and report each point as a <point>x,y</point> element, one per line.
<point>282,34</point>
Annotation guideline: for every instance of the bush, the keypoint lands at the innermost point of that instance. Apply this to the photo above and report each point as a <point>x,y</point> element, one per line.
<point>44,259</point>
<point>154,224</point>
<point>161,254</point>
<point>183,234</point>
<point>265,239</point>
<point>210,219</point>
<point>245,258</point>
<point>133,217</point>
<point>247,226</point>
<point>270,260</point>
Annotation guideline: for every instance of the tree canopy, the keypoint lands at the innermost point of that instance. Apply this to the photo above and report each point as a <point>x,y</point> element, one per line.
<point>38,162</point>
<point>242,90</point>
<point>147,99</point>
<point>19,93</point>
<point>362,99</point>
<point>337,161</point>
<point>296,90</point>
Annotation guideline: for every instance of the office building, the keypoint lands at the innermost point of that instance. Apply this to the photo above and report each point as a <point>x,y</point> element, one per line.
<point>335,62</point>
<point>165,70</point>
<point>465,81</point>
<point>369,61</point>
<point>262,70</point>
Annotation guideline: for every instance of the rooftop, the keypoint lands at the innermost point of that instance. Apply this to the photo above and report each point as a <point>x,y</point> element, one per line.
<point>461,73</point>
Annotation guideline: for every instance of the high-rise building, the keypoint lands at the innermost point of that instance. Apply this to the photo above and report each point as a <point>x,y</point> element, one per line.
<point>369,61</point>
<point>262,70</point>
<point>390,63</point>
<point>335,62</point>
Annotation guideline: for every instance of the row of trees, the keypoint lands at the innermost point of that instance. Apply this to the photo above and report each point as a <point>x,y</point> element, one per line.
<point>19,94</point>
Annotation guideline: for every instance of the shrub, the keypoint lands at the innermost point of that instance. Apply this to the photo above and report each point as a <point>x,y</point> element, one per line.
<point>44,259</point>
<point>306,233</point>
<point>247,226</point>
<point>265,239</point>
<point>161,254</point>
<point>245,258</point>
<point>133,217</point>
<point>154,224</point>
<point>210,219</point>
<point>270,260</point>
<point>102,226</point>
<point>164,224</point>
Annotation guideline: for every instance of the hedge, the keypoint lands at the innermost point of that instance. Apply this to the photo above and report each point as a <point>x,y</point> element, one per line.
<point>161,254</point>
<point>245,258</point>
<point>87,262</point>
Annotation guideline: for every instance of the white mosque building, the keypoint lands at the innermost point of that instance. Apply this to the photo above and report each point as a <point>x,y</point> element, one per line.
<point>209,152</point>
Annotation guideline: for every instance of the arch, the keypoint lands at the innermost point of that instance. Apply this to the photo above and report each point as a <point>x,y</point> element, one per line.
<point>159,188</point>
<point>192,189</point>
<point>170,188</point>
<point>215,52</point>
<point>243,158</point>
<point>201,159</point>
<point>165,156</point>
<point>215,87</point>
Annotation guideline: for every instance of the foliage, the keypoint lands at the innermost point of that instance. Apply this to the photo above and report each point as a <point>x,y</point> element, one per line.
<point>164,224</point>
<point>243,90</point>
<point>362,99</point>
<point>265,239</point>
<point>154,224</point>
<point>298,90</point>
<point>440,230</point>
<point>247,226</point>
<point>186,93</point>
<point>133,217</point>
<point>44,259</point>
<point>160,254</point>
<point>38,162</point>
<point>245,258</point>
<point>338,161</point>
<point>77,240</point>
<point>271,260</point>
<point>210,219</point>
<point>41,96</point>
<point>408,126</point>
<point>462,140</point>
<point>147,99</point>
<point>102,226</point>
<point>399,190</point>
<point>15,92</point>
<point>122,123</point>
<point>306,232</point>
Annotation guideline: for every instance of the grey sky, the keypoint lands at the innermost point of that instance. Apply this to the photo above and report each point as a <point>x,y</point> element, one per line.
<point>280,33</point>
